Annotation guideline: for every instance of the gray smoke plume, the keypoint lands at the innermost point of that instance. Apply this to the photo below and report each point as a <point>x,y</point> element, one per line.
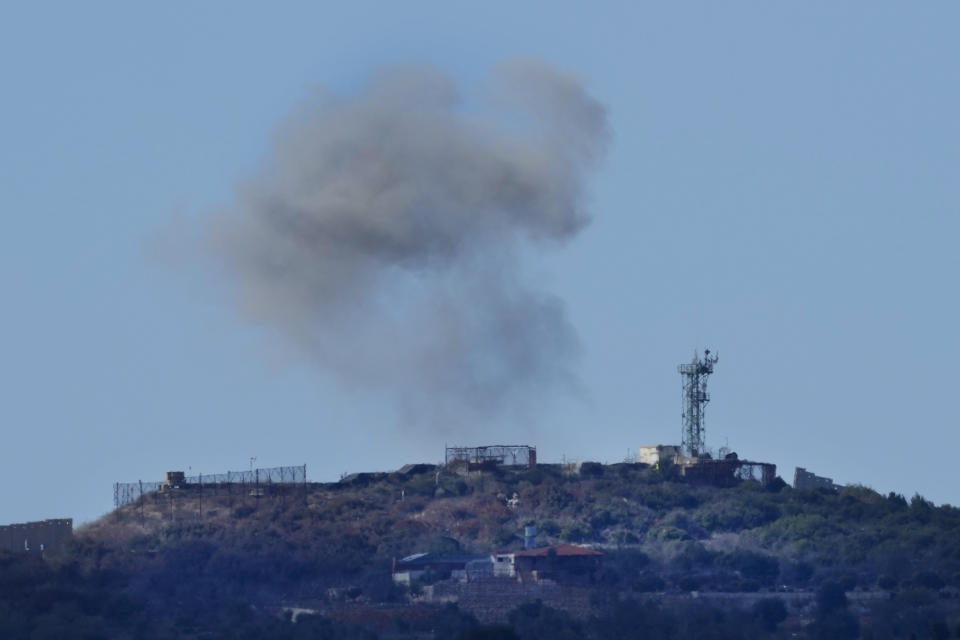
<point>385,234</point>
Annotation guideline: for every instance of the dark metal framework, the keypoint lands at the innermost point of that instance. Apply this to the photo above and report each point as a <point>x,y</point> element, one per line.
<point>695,398</point>
<point>762,472</point>
<point>506,455</point>
<point>129,492</point>
<point>728,472</point>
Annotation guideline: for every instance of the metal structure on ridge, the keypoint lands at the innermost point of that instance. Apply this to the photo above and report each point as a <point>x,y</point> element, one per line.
<point>515,455</point>
<point>695,398</point>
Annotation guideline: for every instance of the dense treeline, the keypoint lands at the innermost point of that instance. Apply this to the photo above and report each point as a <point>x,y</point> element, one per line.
<point>38,601</point>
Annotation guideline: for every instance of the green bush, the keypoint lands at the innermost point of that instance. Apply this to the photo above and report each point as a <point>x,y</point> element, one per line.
<point>770,612</point>
<point>591,469</point>
<point>575,532</point>
<point>761,568</point>
<point>549,527</point>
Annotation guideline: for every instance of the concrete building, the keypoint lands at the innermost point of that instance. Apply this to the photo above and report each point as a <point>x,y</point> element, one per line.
<point>45,536</point>
<point>656,454</point>
<point>560,563</point>
<point>442,567</point>
<point>803,479</point>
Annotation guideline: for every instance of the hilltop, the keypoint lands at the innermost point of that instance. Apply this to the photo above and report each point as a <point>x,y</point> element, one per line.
<point>743,561</point>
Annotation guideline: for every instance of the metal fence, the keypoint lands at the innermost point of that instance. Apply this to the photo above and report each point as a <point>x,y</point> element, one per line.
<point>129,492</point>
<point>516,455</point>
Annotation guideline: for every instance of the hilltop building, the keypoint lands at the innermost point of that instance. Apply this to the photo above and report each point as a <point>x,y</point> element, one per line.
<point>444,567</point>
<point>565,563</point>
<point>489,457</point>
<point>803,479</point>
<point>658,454</point>
<point>560,563</point>
<point>45,536</point>
<point>692,457</point>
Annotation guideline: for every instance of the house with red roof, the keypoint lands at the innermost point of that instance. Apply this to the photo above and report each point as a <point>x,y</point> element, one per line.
<point>559,562</point>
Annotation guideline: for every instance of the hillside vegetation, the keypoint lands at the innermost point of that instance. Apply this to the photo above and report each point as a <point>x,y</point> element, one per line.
<point>224,563</point>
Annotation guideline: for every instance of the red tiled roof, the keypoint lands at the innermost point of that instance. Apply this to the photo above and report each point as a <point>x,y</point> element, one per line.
<point>562,550</point>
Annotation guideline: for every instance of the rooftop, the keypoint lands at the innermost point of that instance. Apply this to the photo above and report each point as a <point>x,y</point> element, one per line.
<point>561,550</point>
<point>426,559</point>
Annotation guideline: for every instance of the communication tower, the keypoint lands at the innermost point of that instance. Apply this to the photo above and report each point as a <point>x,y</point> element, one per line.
<point>695,398</point>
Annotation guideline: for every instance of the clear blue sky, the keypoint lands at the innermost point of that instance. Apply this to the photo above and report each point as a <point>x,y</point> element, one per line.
<point>782,187</point>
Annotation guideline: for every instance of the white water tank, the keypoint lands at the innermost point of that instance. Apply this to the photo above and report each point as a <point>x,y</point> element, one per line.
<point>529,537</point>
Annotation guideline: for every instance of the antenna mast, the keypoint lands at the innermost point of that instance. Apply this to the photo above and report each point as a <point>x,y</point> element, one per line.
<point>695,398</point>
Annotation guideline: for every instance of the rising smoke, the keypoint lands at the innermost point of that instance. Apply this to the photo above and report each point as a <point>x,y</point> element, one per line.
<point>385,232</point>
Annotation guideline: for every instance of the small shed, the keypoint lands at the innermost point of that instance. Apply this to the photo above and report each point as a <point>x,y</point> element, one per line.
<point>173,480</point>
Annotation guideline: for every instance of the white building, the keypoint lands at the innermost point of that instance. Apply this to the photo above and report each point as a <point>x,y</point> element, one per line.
<point>654,455</point>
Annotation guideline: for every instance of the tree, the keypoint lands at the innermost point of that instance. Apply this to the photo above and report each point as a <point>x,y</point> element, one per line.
<point>451,622</point>
<point>770,612</point>
<point>536,621</point>
<point>489,632</point>
<point>833,621</point>
<point>831,597</point>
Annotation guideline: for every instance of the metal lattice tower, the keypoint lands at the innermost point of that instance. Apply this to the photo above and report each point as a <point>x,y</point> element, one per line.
<point>695,398</point>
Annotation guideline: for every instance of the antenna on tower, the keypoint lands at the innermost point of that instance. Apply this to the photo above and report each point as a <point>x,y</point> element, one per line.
<point>695,398</point>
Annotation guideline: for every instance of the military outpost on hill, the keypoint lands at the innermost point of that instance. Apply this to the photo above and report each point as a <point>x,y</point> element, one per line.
<point>678,531</point>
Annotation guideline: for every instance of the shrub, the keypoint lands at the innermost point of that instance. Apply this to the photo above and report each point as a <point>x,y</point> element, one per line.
<point>626,537</point>
<point>591,469</point>
<point>666,534</point>
<point>647,581</point>
<point>488,632</point>
<point>693,556</point>
<point>536,621</point>
<point>831,597</point>
<point>752,566</point>
<point>549,527</point>
<point>243,511</point>
<point>896,500</point>
<point>795,573</point>
<point>504,537</point>
<point>575,532</point>
<point>886,582</point>
<point>689,583</point>
<point>556,498</point>
<point>770,612</point>
<point>929,580</point>
<point>777,486</point>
